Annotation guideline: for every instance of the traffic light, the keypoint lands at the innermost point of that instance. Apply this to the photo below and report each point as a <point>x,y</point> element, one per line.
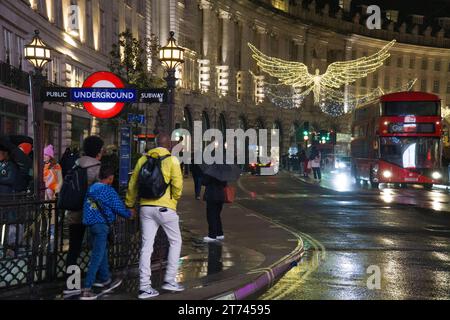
<point>306,131</point>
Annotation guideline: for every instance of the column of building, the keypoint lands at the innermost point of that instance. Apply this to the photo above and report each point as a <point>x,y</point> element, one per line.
<point>205,63</point>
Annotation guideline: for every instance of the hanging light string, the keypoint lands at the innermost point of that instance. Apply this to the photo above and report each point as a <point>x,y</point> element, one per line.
<point>338,74</point>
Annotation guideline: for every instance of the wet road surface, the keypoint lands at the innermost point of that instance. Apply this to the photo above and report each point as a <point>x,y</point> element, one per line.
<point>347,234</point>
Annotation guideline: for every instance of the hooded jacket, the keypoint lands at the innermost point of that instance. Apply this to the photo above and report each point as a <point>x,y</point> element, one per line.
<point>171,170</point>
<point>93,169</point>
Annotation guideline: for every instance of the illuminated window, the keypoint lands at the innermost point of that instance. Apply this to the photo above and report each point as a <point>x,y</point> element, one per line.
<point>281,5</point>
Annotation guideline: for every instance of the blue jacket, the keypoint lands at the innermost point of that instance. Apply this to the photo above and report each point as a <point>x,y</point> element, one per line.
<point>107,198</point>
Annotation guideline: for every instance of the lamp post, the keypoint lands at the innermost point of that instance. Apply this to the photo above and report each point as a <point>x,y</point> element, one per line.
<point>171,56</point>
<point>38,54</point>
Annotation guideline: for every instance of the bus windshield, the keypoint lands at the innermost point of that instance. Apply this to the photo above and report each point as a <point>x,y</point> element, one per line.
<point>417,153</point>
<point>407,108</point>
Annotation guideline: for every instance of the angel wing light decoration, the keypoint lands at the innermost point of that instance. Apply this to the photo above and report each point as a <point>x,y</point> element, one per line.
<point>338,73</point>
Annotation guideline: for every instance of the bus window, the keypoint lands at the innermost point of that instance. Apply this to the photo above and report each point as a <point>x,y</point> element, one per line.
<point>405,108</point>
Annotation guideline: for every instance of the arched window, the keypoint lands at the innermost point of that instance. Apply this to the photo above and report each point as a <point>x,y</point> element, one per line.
<point>222,124</point>
<point>187,120</point>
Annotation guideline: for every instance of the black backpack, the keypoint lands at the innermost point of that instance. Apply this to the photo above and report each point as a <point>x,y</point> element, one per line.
<point>74,189</point>
<point>151,183</point>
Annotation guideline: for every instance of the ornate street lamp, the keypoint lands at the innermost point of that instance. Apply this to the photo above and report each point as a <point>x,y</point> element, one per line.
<point>171,56</point>
<point>38,54</point>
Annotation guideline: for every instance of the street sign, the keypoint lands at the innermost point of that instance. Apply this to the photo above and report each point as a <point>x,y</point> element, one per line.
<point>92,105</point>
<point>124,155</point>
<point>136,118</point>
<point>153,95</point>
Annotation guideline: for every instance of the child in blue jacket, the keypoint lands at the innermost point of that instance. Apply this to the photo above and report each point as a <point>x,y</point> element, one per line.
<point>101,206</point>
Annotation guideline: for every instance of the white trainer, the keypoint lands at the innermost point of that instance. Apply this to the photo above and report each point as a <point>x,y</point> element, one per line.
<point>208,239</point>
<point>148,293</point>
<point>172,286</point>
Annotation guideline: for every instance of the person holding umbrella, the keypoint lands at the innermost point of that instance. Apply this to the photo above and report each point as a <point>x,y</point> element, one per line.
<point>216,178</point>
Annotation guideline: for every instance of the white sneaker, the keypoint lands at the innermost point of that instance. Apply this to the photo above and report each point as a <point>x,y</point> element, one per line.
<point>148,293</point>
<point>220,238</point>
<point>172,286</point>
<point>208,239</point>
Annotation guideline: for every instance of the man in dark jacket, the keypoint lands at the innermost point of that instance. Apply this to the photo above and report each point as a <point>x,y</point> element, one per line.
<point>93,151</point>
<point>197,176</point>
<point>8,173</point>
<point>215,198</point>
<point>8,177</point>
<point>68,160</point>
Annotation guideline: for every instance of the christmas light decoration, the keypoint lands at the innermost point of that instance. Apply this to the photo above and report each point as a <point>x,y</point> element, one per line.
<point>332,102</point>
<point>338,74</point>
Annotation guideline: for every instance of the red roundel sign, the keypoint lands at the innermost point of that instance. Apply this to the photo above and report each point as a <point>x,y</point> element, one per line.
<point>103,79</point>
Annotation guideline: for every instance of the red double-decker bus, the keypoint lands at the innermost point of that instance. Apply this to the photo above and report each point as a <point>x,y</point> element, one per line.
<point>397,139</point>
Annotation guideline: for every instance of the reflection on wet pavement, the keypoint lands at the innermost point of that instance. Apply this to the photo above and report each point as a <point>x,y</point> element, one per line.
<point>345,233</point>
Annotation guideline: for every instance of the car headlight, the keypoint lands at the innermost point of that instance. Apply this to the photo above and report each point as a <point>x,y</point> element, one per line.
<point>436,175</point>
<point>342,165</point>
<point>387,174</point>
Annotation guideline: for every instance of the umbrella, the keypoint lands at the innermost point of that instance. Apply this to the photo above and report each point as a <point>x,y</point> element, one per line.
<point>222,172</point>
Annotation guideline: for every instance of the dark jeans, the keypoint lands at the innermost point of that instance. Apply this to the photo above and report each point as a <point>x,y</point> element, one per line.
<point>317,173</point>
<point>198,185</point>
<point>99,255</point>
<point>213,210</point>
<point>76,235</point>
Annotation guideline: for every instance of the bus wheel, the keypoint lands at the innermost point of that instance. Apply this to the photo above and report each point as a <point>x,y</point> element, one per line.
<point>428,186</point>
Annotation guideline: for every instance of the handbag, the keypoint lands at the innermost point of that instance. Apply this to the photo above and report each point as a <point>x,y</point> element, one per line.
<point>112,230</point>
<point>230,194</point>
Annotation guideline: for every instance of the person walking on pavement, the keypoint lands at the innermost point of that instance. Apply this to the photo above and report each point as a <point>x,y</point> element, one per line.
<point>301,159</point>
<point>315,163</point>
<point>53,178</point>
<point>197,176</point>
<point>156,211</point>
<point>93,150</point>
<point>101,206</point>
<point>215,198</point>
<point>68,160</point>
<point>8,177</point>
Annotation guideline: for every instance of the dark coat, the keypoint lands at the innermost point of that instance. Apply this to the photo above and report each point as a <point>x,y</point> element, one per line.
<point>196,171</point>
<point>214,191</point>
<point>8,176</point>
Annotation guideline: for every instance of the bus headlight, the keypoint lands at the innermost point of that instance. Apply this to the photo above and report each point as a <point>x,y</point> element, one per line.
<point>387,174</point>
<point>342,165</point>
<point>436,175</point>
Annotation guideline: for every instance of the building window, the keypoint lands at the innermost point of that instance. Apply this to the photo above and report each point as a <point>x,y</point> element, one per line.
<point>19,51</point>
<point>412,63</point>
<point>386,82</point>
<point>448,87</point>
<point>103,47</point>
<point>423,85</point>
<point>353,54</point>
<point>436,86</point>
<point>400,62</point>
<point>115,33</point>
<point>398,83</point>
<point>375,81</point>
<point>437,65</point>
<point>424,64</point>
<point>7,39</point>
<point>141,7</point>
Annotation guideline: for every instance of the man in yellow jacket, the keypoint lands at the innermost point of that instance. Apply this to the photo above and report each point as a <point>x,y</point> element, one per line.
<point>159,212</point>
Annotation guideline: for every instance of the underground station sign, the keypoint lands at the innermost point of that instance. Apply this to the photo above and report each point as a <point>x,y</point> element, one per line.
<point>103,95</point>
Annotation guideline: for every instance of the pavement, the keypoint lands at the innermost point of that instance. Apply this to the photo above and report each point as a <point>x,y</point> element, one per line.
<point>255,254</point>
<point>353,239</point>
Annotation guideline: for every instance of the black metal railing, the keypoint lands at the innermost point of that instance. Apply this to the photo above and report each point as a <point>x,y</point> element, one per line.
<point>34,244</point>
<point>14,77</point>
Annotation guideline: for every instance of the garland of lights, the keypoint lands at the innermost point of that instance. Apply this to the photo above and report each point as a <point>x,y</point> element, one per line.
<point>332,102</point>
<point>338,74</point>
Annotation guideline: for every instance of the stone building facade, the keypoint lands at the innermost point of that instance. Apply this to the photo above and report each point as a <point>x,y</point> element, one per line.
<point>219,83</point>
